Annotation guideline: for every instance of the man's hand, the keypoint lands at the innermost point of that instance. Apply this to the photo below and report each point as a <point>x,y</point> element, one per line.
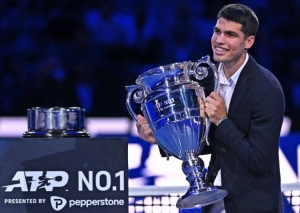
<point>144,130</point>
<point>215,107</point>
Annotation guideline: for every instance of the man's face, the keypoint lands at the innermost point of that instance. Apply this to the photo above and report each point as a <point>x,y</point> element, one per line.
<point>229,42</point>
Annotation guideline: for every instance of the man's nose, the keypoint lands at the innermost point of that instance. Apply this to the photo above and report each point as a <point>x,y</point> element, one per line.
<point>220,38</point>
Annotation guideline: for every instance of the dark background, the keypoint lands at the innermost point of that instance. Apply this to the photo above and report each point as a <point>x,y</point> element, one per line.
<point>83,52</point>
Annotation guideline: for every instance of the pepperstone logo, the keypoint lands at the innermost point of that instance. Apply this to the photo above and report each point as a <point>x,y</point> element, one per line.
<point>58,203</point>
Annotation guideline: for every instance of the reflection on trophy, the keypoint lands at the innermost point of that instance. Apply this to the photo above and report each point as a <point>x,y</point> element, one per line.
<point>169,100</point>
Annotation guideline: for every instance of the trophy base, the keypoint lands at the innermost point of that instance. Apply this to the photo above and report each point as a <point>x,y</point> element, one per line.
<point>202,198</point>
<point>56,134</point>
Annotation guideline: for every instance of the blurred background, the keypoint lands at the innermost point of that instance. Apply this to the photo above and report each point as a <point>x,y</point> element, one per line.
<point>84,52</point>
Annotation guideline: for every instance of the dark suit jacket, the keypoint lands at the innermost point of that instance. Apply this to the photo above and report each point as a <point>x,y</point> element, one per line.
<point>245,146</point>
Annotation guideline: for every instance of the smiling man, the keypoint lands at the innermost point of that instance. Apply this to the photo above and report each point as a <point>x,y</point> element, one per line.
<point>247,113</point>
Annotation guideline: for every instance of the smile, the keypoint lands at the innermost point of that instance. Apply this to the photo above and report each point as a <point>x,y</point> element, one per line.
<point>220,49</point>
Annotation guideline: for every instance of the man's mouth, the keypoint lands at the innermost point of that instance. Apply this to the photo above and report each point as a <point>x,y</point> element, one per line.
<point>221,50</point>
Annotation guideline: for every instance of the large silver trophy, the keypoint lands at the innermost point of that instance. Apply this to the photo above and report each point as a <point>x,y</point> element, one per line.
<point>169,100</point>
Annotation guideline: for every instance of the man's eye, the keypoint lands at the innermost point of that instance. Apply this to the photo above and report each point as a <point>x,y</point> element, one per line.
<point>216,31</point>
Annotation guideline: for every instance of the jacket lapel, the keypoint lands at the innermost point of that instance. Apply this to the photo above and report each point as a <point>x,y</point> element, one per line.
<point>242,86</point>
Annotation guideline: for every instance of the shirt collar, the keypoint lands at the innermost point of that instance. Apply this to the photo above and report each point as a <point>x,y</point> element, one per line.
<point>234,77</point>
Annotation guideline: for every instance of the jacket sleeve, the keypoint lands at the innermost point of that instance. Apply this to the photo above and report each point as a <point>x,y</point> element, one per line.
<point>257,146</point>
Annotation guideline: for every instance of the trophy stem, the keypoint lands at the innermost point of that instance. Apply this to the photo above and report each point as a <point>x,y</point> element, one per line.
<point>199,192</point>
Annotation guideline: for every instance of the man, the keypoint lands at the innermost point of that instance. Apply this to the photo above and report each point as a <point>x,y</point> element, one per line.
<point>247,113</point>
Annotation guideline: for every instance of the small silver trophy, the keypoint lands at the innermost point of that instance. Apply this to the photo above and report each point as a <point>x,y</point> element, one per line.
<point>56,122</point>
<point>170,102</point>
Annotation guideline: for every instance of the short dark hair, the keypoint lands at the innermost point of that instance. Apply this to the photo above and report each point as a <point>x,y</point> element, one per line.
<point>241,14</point>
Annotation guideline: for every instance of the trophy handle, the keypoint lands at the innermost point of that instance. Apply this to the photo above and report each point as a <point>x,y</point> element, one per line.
<point>207,124</point>
<point>137,98</point>
<point>200,73</point>
<point>200,94</point>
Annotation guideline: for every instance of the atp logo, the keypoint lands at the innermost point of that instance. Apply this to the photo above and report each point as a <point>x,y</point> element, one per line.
<point>46,180</point>
<point>58,203</point>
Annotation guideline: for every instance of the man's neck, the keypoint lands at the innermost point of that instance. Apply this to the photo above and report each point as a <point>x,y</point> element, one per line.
<point>230,68</point>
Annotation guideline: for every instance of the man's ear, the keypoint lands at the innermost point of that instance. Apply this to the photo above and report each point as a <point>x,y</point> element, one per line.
<point>249,42</point>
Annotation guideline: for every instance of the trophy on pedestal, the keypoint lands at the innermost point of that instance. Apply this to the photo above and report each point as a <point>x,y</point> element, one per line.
<point>169,100</point>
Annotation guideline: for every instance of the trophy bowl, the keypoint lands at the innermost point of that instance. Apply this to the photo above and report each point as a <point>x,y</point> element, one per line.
<point>56,122</point>
<point>169,100</point>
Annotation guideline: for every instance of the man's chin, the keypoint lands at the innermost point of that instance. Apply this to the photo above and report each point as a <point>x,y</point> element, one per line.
<point>219,58</point>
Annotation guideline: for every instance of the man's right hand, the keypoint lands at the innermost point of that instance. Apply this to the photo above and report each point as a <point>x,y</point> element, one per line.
<point>144,130</point>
